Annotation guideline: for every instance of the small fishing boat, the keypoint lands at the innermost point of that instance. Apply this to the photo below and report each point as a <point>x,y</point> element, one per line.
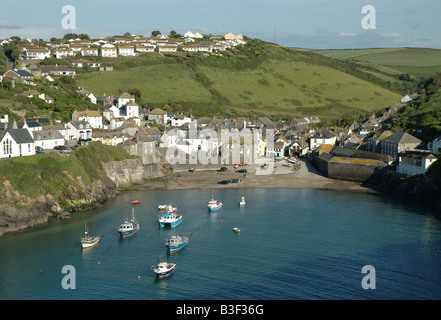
<point>214,205</point>
<point>242,202</point>
<point>164,269</point>
<point>236,229</point>
<point>293,160</point>
<point>129,227</point>
<point>162,207</point>
<point>287,164</point>
<point>88,241</point>
<point>176,243</point>
<point>170,217</point>
<point>136,202</point>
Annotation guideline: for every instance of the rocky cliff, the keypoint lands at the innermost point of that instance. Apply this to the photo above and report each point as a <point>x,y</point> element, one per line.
<point>19,211</point>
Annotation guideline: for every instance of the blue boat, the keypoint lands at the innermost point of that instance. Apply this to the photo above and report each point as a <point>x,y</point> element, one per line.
<point>170,218</point>
<point>176,243</point>
<point>129,228</point>
<point>164,269</point>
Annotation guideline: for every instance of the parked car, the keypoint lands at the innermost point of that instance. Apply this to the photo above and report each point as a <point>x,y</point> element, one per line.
<point>224,182</point>
<point>242,171</point>
<point>63,149</point>
<point>223,169</point>
<point>39,149</point>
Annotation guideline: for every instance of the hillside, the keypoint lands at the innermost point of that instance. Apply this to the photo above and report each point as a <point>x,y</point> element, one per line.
<point>417,62</point>
<point>257,79</point>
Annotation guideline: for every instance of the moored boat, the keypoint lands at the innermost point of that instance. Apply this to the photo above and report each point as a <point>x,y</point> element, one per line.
<point>162,207</point>
<point>136,202</point>
<point>164,269</point>
<point>242,202</point>
<point>88,241</point>
<point>236,229</point>
<point>129,227</point>
<point>176,242</point>
<point>170,217</point>
<point>213,204</point>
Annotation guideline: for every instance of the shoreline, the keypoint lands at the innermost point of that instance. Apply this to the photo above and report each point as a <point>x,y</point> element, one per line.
<point>201,178</point>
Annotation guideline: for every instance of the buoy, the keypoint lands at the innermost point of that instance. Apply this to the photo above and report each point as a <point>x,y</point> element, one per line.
<point>139,277</point>
<point>222,221</point>
<point>98,262</point>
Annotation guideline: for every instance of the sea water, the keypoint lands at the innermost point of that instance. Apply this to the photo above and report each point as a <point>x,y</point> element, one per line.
<point>293,244</point>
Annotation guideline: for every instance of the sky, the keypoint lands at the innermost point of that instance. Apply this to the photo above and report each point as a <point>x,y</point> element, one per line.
<point>314,24</point>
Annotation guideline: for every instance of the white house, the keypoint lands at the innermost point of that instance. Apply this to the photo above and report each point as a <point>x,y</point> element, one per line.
<point>92,52</point>
<point>37,53</point>
<point>178,121</point>
<point>109,50</point>
<point>79,130</point>
<point>124,99</point>
<point>94,118</point>
<point>129,110</point>
<point>126,51</point>
<point>48,139</point>
<point>413,164</point>
<point>16,143</point>
<point>320,138</point>
<point>63,53</point>
<point>189,34</point>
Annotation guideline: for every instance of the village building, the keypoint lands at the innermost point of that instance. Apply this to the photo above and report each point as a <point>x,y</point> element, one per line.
<point>90,52</point>
<point>48,139</point>
<point>412,163</point>
<point>15,142</point>
<point>94,118</point>
<point>397,143</point>
<point>80,131</point>
<point>19,76</point>
<point>37,53</point>
<point>63,53</point>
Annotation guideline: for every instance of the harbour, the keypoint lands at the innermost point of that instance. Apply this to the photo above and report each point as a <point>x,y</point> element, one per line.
<point>293,244</point>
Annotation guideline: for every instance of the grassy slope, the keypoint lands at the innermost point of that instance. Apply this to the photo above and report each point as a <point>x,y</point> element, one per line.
<point>297,87</point>
<point>415,61</point>
<point>290,82</point>
<point>158,83</point>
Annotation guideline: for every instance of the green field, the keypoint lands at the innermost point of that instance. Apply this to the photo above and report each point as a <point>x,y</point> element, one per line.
<point>415,61</point>
<point>162,83</point>
<point>286,82</point>
<point>296,88</point>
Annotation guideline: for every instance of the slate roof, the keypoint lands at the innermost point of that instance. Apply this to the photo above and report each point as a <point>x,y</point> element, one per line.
<point>402,138</point>
<point>19,135</point>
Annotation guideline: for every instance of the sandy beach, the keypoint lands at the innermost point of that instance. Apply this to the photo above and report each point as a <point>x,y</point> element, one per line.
<point>281,177</point>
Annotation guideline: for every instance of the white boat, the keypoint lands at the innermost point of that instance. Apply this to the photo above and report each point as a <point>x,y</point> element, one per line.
<point>164,269</point>
<point>242,202</point>
<point>129,228</point>
<point>214,205</point>
<point>88,241</point>
<point>236,229</point>
<point>162,207</point>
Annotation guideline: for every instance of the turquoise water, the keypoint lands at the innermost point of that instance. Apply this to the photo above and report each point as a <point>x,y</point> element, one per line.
<point>294,244</point>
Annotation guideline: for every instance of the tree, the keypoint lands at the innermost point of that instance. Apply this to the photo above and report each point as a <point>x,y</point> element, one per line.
<point>156,33</point>
<point>11,51</point>
<point>172,34</point>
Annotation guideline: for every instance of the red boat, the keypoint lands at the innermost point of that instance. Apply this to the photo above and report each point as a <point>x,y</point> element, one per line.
<point>136,202</point>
